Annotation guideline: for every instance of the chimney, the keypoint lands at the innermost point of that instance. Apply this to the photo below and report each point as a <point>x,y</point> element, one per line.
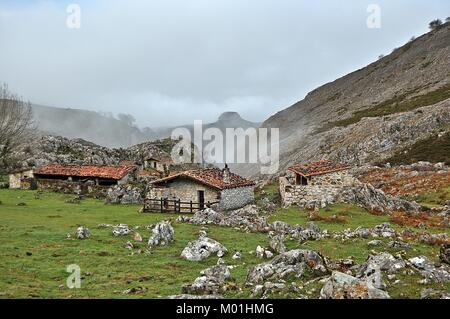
<point>226,174</point>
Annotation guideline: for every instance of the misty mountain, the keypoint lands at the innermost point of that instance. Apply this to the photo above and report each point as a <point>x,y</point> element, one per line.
<point>93,126</point>
<point>225,120</point>
<point>374,114</point>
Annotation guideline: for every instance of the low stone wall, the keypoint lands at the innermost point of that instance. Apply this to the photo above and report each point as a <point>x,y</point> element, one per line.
<point>236,198</point>
<point>309,196</point>
<point>67,187</point>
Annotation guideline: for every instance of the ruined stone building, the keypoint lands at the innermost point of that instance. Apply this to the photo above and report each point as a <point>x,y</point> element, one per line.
<point>161,164</point>
<point>222,188</point>
<point>315,184</point>
<point>21,179</point>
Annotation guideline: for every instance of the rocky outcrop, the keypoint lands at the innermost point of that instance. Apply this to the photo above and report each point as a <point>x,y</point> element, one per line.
<point>203,248</point>
<point>343,286</point>
<point>247,218</point>
<point>374,199</point>
<point>125,194</point>
<point>430,271</point>
<point>292,263</point>
<point>310,232</point>
<point>209,282</point>
<point>162,234</point>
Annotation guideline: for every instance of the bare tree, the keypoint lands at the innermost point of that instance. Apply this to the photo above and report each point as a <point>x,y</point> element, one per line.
<point>16,120</point>
<point>434,24</point>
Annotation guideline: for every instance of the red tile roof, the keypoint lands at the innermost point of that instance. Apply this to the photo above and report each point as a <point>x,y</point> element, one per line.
<point>318,168</point>
<point>212,177</point>
<point>108,172</point>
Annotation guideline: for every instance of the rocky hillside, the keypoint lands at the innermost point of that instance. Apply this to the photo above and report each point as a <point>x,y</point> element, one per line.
<point>48,149</point>
<point>374,113</point>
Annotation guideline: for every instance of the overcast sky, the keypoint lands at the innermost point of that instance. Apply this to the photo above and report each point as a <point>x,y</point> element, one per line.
<point>169,62</point>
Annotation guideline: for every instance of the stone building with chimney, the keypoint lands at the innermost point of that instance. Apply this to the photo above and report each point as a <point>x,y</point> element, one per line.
<point>204,187</point>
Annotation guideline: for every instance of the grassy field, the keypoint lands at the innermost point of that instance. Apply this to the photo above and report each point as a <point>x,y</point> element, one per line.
<point>35,249</point>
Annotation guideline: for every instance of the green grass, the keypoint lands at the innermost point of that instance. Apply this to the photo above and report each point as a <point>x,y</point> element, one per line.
<point>433,149</point>
<point>433,199</point>
<point>395,105</point>
<point>41,228</point>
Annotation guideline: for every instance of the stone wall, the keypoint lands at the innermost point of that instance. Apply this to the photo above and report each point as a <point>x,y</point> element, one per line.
<point>15,178</point>
<point>186,190</point>
<point>321,190</point>
<point>67,187</point>
<point>236,198</point>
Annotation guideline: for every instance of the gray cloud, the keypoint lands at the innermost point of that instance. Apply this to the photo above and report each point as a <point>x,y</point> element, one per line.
<point>172,61</point>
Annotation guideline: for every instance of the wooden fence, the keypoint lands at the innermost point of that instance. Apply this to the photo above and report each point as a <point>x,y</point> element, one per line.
<point>164,205</point>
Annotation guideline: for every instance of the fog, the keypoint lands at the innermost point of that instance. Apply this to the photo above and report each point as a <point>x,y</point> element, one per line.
<point>168,62</point>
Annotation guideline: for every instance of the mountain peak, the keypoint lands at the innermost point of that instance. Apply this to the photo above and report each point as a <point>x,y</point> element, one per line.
<point>230,116</point>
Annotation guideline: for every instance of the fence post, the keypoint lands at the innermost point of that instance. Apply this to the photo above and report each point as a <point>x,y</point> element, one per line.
<point>161,204</point>
<point>190,205</point>
<point>179,205</point>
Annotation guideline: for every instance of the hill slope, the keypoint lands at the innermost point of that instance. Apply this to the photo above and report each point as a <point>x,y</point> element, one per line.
<point>371,114</point>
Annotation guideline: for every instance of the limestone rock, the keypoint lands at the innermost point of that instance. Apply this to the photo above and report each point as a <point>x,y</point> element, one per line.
<point>430,271</point>
<point>203,248</point>
<point>209,282</point>
<point>293,263</point>
<point>121,230</point>
<point>83,232</point>
<point>162,234</point>
<point>343,286</point>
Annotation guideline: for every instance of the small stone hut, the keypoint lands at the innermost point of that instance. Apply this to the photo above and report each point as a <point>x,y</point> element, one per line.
<point>314,184</point>
<point>18,179</point>
<point>202,186</point>
<point>161,164</point>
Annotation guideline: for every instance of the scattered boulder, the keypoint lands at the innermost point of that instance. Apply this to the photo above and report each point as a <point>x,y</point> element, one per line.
<point>375,243</point>
<point>277,243</point>
<point>203,248</point>
<point>124,194</point>
<point>162,234</point>
<point>121,230</point>
<point>343,286</point>
<point>399,244</point>
<point>291,263</point>
<point>430,271</point>
<point>430,293</point>
<point>210,281</point>
<point>246,218</point>
<point>237,256</point>
<point>263,253</point>
<point>83,232</point>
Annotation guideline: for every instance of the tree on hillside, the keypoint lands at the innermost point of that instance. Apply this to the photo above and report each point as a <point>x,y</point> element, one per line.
<point>434,24</point>
<point>16,120</point>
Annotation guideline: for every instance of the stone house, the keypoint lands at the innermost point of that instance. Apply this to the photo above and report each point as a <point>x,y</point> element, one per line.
<point>17,180</point>
<point>161,164</point>
<point>312,185</point>
<point>212,186</point>
<point>84,179</point>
